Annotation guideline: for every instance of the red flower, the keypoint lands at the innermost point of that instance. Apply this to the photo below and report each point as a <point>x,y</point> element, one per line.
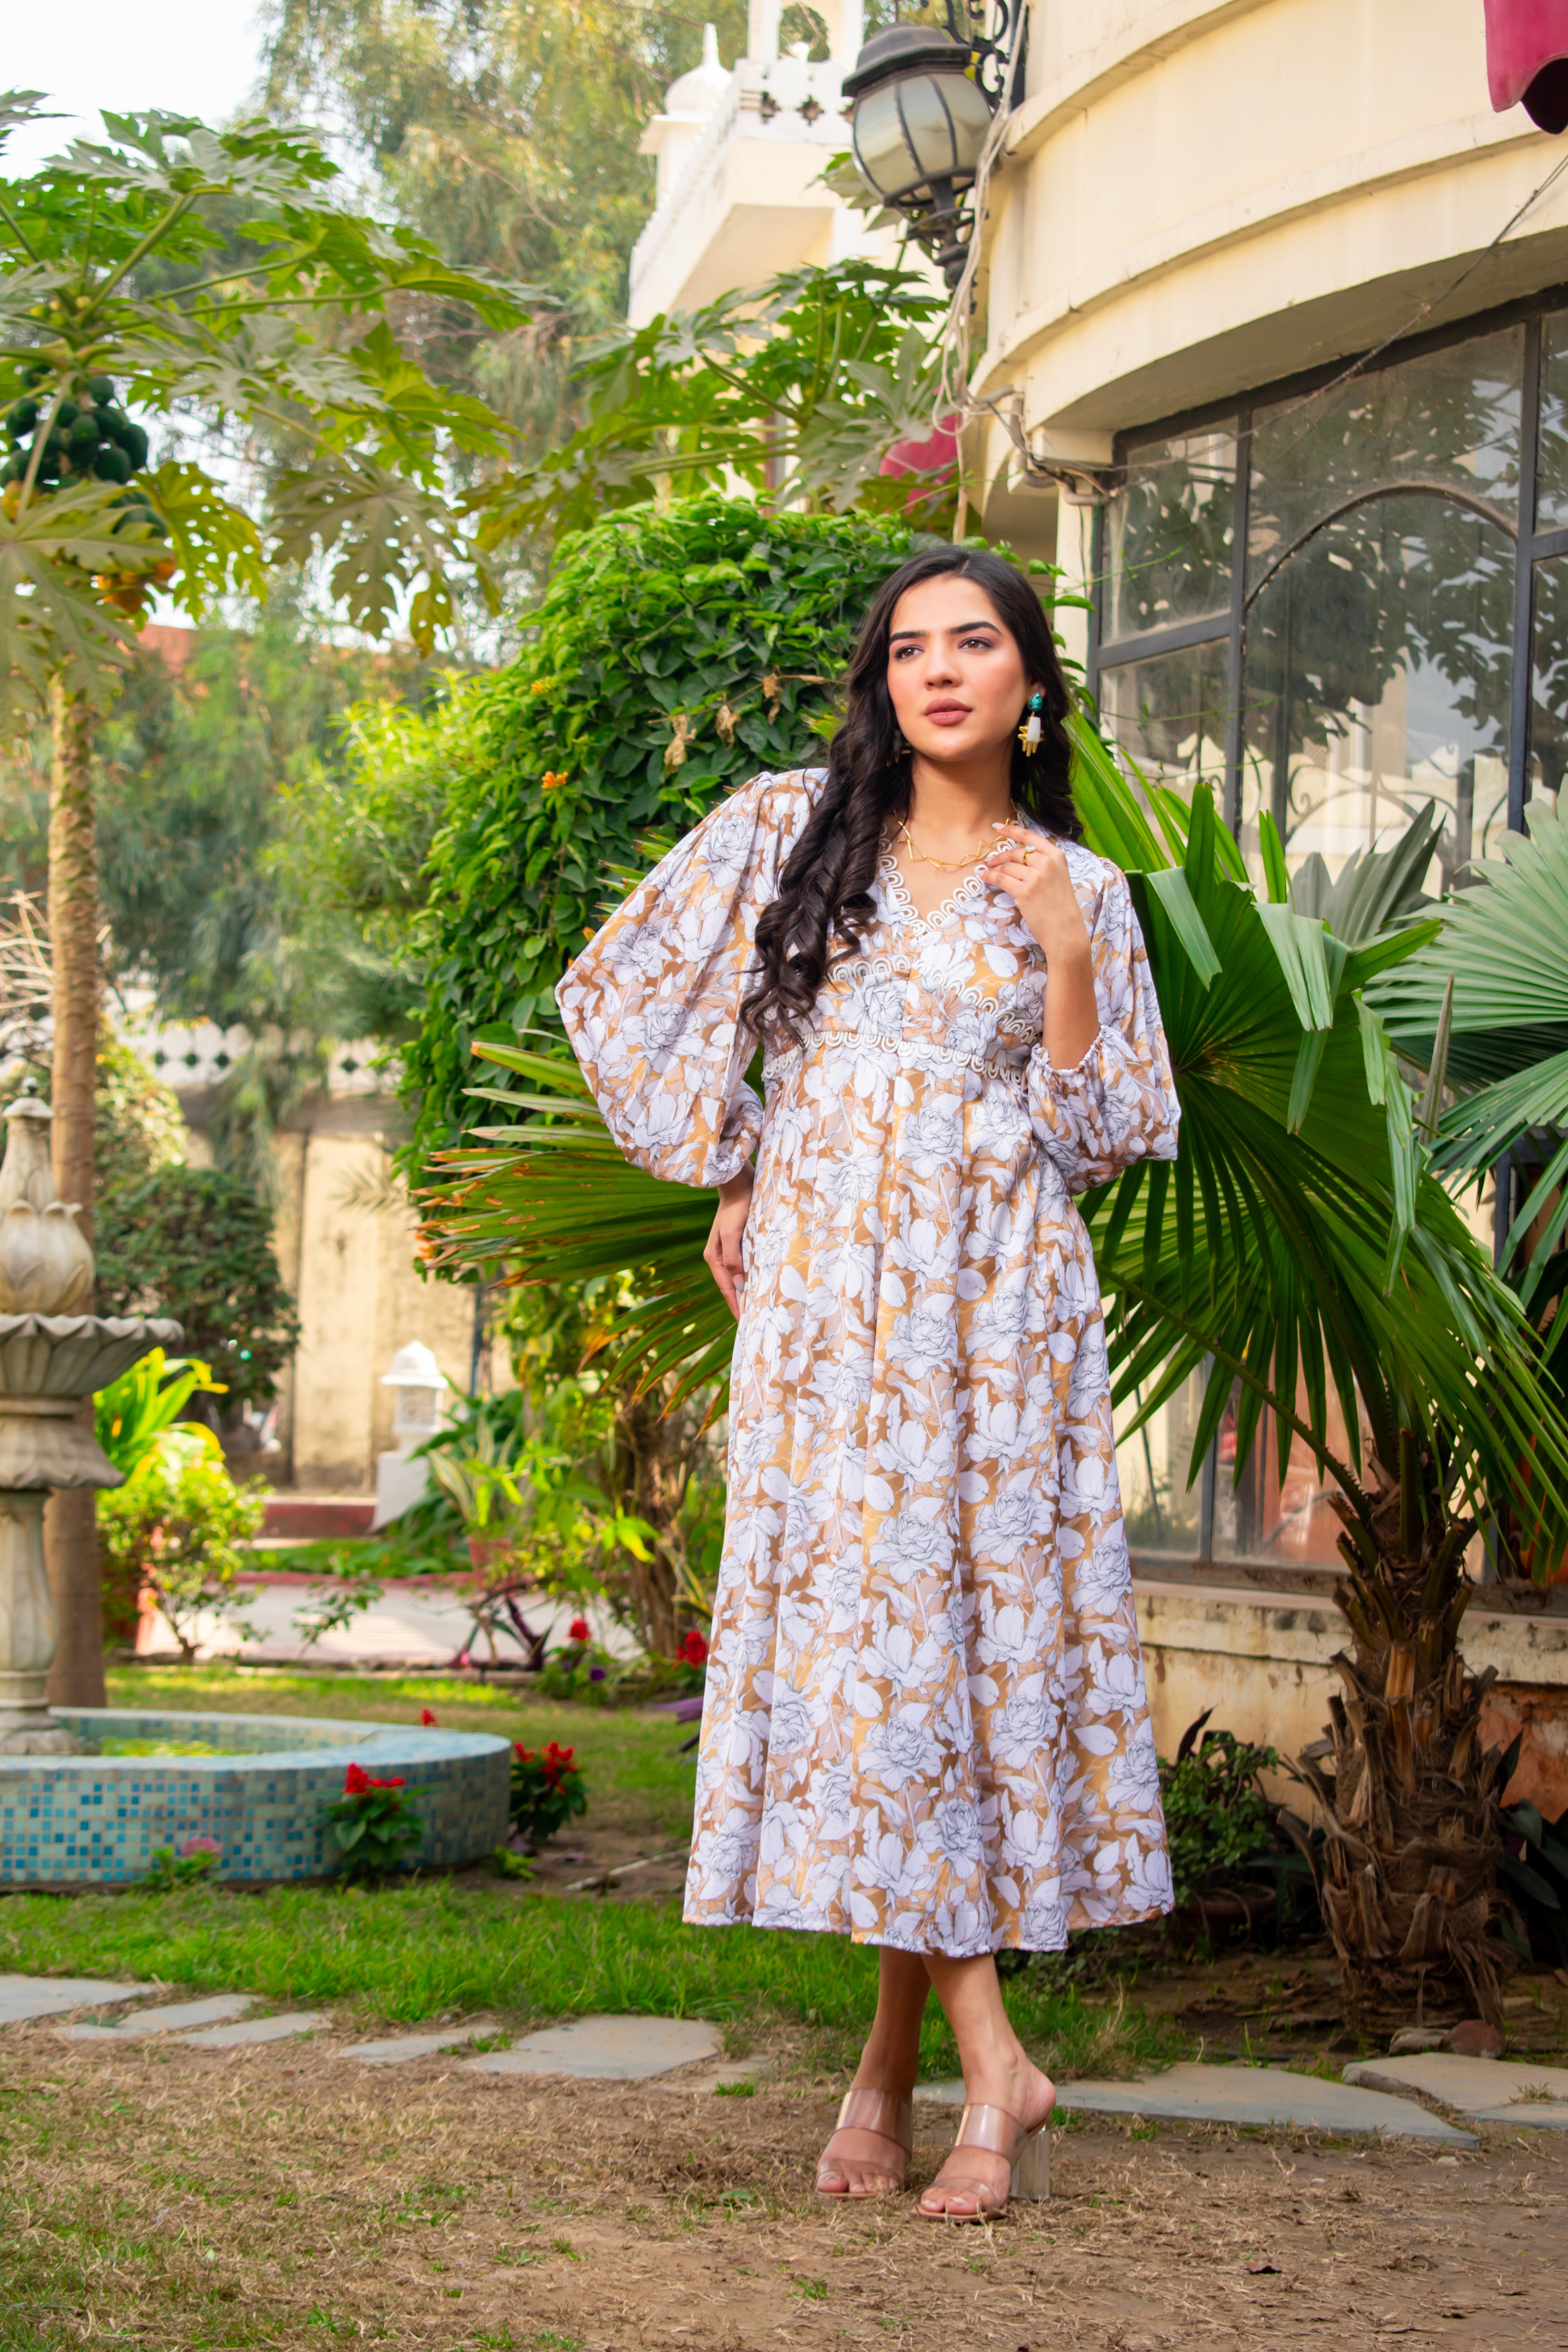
<point>426,1715</point>
<point>524,1755</point>
<point>356,1781</point>
<point>693,1650</point>
<point>578,1629</point>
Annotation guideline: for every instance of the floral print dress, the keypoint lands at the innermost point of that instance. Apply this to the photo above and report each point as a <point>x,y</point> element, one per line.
<point>926,1723</point>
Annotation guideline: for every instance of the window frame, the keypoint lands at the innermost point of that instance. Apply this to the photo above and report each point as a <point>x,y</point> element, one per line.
<point>1532,546</point>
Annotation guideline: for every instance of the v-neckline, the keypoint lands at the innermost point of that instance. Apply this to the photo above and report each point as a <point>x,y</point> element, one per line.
<point>896,890</point>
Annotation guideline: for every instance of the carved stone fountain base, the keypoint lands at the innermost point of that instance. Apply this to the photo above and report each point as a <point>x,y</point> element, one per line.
<point>27,1632</point>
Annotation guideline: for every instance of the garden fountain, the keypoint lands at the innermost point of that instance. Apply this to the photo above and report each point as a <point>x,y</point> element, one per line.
<point>52,1359</point>
<point>72,1811</point>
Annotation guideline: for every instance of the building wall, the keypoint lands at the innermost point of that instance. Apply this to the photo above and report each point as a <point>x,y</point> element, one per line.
<point>1197,198</point>
<point>345,1243</point>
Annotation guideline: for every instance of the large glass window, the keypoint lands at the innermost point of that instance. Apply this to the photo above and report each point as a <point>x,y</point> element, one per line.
<point>1169,713</point>
<point>1314,598</point>
<point>1447,421</point>
<point>1173,533</point>
<point>1376,678</point>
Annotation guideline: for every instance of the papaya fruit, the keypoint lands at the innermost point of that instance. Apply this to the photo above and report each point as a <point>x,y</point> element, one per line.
<point>102,388</point>
<point>68,412</point>
<point>112,466</point>
<point>82,439</point>
<point>22,418</point>
<point>134,443</point>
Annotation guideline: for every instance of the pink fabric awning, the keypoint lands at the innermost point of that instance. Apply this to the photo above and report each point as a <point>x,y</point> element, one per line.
<point>1527,59</point>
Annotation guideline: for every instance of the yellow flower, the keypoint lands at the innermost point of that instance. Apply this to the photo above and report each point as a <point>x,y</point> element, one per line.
<point>551,781</point>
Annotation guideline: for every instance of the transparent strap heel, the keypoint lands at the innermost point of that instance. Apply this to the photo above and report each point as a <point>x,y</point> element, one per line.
<point>1001,2133</point>
<point>881,2112</point>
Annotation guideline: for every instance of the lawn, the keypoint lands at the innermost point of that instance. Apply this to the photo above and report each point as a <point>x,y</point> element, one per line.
<point>438,1945</point>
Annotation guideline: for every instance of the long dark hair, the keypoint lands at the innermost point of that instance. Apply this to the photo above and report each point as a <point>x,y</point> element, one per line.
<point>824,891</point>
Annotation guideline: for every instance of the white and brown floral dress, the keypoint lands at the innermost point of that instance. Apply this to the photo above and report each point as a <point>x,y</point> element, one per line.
<point>926,1723</point>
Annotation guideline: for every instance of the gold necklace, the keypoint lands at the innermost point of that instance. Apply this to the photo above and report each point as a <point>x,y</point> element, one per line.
<point>947,865</point>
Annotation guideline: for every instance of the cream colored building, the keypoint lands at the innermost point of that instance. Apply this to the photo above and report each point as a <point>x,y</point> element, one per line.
<point>345,1234</point>
<point>1272,339</point>
<point>740,154</point>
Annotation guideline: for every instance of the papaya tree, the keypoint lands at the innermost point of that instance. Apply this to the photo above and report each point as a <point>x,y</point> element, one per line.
<point>1302,1246</point>
<point>175,276</point>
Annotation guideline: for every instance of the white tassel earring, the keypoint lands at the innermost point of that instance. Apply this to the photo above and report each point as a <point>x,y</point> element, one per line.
<point>1029,731</point>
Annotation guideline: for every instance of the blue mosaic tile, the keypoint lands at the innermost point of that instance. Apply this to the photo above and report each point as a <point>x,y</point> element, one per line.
<point>92,1820</point>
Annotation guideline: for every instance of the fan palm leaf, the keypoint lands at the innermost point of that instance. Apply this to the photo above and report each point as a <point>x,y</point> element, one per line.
<point>1502,956</point>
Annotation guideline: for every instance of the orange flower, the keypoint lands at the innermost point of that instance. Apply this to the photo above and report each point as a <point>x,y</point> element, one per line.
<point>551,781</point>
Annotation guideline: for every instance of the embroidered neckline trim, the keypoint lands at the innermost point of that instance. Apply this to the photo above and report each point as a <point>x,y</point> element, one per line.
<point>902,906</point>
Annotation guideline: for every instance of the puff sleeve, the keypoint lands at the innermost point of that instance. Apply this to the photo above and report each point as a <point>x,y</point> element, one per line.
<point>652,1004</point>
<point>1117,1105</point>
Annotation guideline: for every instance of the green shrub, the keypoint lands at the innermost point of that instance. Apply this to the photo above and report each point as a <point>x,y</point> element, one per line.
<point>197,1244</point>
<point>176,1526</point>
<point>675,655</point>
<point>1216,1817</point>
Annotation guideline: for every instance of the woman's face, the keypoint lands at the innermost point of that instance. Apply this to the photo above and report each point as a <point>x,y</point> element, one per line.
<point>954,671</point>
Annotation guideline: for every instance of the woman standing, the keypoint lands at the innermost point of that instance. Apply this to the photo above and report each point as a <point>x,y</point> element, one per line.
<point>926,1726</point>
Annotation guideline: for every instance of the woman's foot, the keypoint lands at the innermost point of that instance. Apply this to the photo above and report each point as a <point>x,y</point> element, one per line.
<point>868,2152</point>
<point>976,2179</point>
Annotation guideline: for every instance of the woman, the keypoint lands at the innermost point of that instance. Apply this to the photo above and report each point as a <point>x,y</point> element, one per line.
<point>926,1726</point>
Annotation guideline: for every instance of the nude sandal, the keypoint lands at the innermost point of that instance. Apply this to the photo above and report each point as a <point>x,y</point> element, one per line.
<point>887,2117</point>
<point>1028,2152</point>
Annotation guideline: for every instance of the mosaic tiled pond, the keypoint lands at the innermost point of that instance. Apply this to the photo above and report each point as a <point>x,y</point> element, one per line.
<point>97,1819</point>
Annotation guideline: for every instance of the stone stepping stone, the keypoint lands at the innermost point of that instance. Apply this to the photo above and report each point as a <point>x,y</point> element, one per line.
<point>606,2049</point>
<point>1493,2090</point>
<point>400,2049</point>
<point>172,2018</point>
<point>1256,2095</point>
<point>256,2028</point>
<point>22,1998</point>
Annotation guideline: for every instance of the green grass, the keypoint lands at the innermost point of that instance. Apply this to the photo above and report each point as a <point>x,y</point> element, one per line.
<point>410,1951</point>
<point>403,1953</point>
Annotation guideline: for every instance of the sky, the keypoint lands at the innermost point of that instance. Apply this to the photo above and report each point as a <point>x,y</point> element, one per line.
<point>186,57</point>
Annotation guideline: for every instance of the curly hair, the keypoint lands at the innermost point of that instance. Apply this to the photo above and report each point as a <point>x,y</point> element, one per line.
<point>824,899</point>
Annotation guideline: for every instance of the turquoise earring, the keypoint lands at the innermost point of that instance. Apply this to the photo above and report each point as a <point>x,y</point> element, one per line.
<point>1029,731</point>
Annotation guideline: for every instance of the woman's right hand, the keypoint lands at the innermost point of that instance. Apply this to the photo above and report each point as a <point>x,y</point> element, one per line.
<point>722,1254</point>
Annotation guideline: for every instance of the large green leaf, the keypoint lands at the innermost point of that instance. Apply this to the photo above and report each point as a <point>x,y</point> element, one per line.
<point>1503,952</point>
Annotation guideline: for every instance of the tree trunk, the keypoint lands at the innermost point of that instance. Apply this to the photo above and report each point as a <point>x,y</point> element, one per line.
<point>70,1540</point>
<point>1408,1879</point>
<point>650,1480</point>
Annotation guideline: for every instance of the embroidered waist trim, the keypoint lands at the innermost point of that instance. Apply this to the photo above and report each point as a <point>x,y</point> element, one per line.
<point>911,1050</point>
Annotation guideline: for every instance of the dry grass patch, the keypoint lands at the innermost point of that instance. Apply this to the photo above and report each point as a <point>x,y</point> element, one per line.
<point>194,2202</point>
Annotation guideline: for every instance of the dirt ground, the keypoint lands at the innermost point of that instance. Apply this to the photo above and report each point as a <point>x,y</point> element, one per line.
<point>179,2199</point>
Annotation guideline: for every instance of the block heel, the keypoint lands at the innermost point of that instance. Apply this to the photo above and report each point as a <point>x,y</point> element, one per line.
<point>1032,2171</point>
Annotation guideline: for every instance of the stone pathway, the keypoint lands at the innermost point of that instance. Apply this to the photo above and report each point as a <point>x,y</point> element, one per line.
<point>1267,2095</point>
<point>606,2049</point>
<point>22,1998</point>
<point>1379,2097</point>
<point>1493,2090</point>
